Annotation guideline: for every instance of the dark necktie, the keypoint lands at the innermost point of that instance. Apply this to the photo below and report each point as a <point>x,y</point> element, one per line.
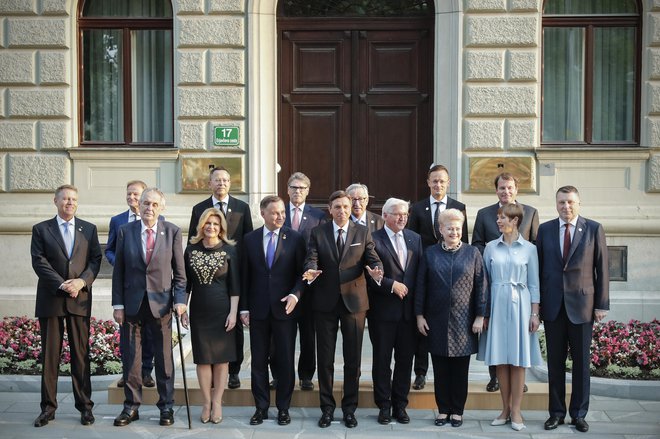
<point>567,242</point>
<point>436,220</point>
<point>150,245</point>
<point>270,249</point>
<point>340,242</point>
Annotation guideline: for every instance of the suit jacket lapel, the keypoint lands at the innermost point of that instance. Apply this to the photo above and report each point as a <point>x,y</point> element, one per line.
<point>555,240</point>
<point>385,238</point>
<point>136,231</point>
<point>280,243</point>
<point>580,230</point>
<point>79,236</point>
<point>332,242</point>
<point>54,229</point>
<point>350,235</point>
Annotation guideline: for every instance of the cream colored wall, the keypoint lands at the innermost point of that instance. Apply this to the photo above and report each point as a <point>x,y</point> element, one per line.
<point>487,103</point>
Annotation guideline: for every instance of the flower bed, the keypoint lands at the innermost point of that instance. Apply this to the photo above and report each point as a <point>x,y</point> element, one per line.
<point>623,350</point>
<point>20,347</point>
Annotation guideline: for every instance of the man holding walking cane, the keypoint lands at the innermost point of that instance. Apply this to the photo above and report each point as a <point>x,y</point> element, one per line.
<point>148,277</point>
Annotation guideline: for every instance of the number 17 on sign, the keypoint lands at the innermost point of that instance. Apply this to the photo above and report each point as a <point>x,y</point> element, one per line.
<point>226,136</point>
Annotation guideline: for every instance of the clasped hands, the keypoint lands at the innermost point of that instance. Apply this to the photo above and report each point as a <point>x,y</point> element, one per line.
<point>73,286</point>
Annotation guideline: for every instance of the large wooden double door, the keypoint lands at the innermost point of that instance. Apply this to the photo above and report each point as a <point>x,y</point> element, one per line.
<point>356,105</point>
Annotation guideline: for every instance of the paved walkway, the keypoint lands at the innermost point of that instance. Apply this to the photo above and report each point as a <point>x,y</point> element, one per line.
<point>608,418</point>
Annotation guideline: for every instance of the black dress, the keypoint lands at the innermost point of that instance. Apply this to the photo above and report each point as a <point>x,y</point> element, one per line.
<point>212,278</point>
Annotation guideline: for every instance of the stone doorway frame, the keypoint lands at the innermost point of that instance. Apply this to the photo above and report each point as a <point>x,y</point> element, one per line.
<point>262,93</point>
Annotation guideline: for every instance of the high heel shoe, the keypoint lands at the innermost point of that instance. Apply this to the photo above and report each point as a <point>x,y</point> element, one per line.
<point>499,421</point>
<point>517,427</point>
<point>216,419</point>
<point>206,414</point>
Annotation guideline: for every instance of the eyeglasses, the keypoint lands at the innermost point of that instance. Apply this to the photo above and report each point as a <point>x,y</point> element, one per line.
<point>298,188</point>
<point>400,215</point>
<point>360,200</point>
<point>221,180</point>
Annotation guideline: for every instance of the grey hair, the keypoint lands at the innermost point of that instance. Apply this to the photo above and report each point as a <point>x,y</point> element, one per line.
<point>451,215</point>
<point>391,203</point>
<point>355,186</point>
<point>156,190</point>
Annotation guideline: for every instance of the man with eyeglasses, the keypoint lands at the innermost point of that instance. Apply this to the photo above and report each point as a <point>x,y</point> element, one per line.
<point>424,219</point>
<point>239,223</point>
<point>359,194</point>
<point>302,218</point>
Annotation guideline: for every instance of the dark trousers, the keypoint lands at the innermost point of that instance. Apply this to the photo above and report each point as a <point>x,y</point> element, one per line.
<point>450,383</point>
<point>421,354</point>
<point>392,390</point>
<point>561,334</point>
<point>147,351</point>
<point>235,366</point>
<point>352,331</point>
<point>307,358</point>
<point>131,340</point>
<point>52,335</point>
<point>283,336</point>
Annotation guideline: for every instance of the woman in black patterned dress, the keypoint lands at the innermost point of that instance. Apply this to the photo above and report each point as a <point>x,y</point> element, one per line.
<point>213,285</point>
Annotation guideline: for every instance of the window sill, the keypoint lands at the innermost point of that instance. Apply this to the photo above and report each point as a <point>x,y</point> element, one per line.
<point>593,153</point>
<point>105,153</point>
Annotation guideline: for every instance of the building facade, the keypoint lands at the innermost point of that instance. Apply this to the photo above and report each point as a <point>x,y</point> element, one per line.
<point>96,93</point>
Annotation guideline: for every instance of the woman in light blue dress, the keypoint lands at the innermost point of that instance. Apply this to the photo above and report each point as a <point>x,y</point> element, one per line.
<point>512,343</point>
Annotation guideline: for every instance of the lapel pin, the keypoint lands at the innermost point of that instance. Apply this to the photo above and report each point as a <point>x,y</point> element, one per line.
<point>80,229</point>
<point>426,208</point>
<point>372,221</point>
<point>162,233</point>
<point>304,217</point>
<point>283,236</point>
<point>228,210</point>
<point>579,230</point>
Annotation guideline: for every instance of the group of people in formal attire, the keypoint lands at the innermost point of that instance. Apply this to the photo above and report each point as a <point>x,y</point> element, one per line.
<point>409,273</point>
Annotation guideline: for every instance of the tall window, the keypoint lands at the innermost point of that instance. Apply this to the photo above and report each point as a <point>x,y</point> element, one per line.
<point>591,72</point>
<point>126,71</point>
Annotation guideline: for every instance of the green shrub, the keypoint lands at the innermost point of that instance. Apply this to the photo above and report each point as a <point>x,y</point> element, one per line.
<point>112,367</point>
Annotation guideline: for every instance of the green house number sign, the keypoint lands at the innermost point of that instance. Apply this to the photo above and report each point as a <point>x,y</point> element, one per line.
<point>226,136</point>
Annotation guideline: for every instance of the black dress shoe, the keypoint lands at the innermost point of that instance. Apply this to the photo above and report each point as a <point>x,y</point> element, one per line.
<point>234,382</point>
<point>553,422</point>
<point>326,419</point>
<point>147,381</point>
<point>166,417</point>
<point>258,417</point>
<point>283,417</point>
<point>384,416</point>
<point>306,385</point>
<point>420,382</point>
<point>580,425</point>
<point>126,417</point>
<point>86,417</point>
<point>350,421</point>
<point>401,416</point>
<point>456,422</point>
<point>120,383</point>
<point>273,384</point>
<point>441,421</point>
<point>43,419</point>
<point>493,385</point>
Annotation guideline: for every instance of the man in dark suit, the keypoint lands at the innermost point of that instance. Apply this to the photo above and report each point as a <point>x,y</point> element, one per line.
<point>271,264</point>
<point>134,190</point>
<point>303,217</point>
<point>574,292</point>
<point>391,317</point>
<point>486,230</point>
<point>239,222</point>
<point>423,219</point>
<point>66,257</point>
<point>359,194</point>
<point>338,254</point>
<point>148,278</point>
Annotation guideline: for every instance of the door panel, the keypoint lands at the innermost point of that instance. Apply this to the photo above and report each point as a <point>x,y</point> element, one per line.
<point>355,107</point>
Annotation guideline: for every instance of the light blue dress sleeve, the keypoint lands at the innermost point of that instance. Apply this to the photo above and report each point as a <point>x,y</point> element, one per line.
<point>533,273</point>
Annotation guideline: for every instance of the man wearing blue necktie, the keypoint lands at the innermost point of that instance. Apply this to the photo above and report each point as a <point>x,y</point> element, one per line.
<point>66,256</point>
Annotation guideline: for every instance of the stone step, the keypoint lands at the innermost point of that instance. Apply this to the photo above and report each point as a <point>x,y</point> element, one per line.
<point>478,398</point>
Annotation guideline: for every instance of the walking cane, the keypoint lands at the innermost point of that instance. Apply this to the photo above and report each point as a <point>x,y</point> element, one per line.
<point>183,369</point>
